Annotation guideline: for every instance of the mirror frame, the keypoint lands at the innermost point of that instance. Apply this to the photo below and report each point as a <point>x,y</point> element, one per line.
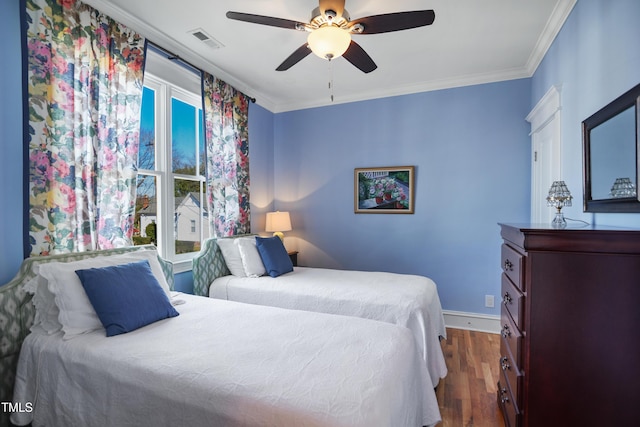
<point>623,102</point>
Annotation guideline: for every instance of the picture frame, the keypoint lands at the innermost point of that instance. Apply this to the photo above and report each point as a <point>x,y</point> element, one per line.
<point>384,190</point>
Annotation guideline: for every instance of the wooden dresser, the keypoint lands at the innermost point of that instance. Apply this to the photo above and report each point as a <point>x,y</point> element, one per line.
<point>570,348</point>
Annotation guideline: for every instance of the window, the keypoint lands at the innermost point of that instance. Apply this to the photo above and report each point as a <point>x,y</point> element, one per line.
<point>171,206</point>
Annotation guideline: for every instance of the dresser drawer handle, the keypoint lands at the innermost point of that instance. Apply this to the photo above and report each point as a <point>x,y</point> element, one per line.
<point>504,397</point>
<point>506,332</point>
<point>504,363</point>
<point>508,265</point>
<point>506,298</point>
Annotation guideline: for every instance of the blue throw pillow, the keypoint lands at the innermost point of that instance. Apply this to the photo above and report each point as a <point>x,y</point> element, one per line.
<point>126,297</point>
<point>274,256</point>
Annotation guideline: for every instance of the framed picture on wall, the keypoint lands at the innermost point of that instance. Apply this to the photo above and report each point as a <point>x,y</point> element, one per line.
<point>384,190</point>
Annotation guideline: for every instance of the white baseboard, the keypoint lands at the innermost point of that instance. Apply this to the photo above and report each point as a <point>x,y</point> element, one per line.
<point>472,321</point>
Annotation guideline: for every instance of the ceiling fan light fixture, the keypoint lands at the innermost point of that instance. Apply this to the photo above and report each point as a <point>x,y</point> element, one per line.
<point>330,29</point>
<point>329,42</point>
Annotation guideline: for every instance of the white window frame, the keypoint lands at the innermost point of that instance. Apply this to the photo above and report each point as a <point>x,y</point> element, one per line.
<point>169,80</point>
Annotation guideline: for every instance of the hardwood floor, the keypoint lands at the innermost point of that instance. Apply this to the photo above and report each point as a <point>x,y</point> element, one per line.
<point>467,396</point>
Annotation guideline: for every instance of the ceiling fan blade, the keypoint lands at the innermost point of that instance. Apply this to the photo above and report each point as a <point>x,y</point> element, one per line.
<point>265,20</point>
<point>336,5</point>
<point>359,58</point>
<point>398,21</point>
<point>294,58</point>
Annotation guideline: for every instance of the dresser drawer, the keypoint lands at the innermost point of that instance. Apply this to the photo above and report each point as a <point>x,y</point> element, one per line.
<point>512,263</point>
<point>512,336</point>
<point>505,403</point>
<point>513,301</point>
<point>512,373</point>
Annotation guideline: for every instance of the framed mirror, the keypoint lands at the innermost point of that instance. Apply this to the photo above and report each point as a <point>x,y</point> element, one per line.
<point>611,140</point>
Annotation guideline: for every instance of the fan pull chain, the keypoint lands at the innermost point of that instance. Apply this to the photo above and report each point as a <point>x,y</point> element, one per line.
<point>331,80</point>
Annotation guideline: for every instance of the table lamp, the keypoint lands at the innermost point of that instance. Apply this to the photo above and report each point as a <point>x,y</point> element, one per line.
<point>277,222</point>
<point>559,196</point>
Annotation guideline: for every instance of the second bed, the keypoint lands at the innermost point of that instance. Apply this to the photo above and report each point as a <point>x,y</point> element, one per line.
<point>407,300</point>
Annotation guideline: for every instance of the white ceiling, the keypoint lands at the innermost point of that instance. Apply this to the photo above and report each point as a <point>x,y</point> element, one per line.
<point>470,42</point>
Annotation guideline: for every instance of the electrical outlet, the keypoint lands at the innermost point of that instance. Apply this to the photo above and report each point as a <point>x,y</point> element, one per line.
<point>489,301</point>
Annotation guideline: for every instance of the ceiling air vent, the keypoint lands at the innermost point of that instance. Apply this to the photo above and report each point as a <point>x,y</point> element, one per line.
<point>205,38</point>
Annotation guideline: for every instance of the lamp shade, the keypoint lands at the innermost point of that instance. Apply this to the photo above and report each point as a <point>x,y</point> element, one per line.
<point>329,42</point>
<point>623,187</point>
<point>278,221</point>
<point>559,195</point>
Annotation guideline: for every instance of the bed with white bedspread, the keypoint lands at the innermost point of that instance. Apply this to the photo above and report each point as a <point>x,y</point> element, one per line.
<point>218,363</point>
<point>407,300</point>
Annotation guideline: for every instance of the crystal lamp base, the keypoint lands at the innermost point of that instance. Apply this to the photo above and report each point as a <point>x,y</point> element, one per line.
<point>559,221</point>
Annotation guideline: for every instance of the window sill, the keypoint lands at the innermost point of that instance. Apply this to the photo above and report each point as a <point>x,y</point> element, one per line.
<point>182,266</point>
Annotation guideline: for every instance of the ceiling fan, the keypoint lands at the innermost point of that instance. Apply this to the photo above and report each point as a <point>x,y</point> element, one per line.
<point>330,30</point>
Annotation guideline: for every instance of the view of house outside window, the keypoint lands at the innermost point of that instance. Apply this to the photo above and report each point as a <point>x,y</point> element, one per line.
<point>170,204</point>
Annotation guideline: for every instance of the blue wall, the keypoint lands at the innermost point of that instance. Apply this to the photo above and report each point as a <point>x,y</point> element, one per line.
<point>595,58</point>
<point>261,128</point>
<point>470,147</point>
<point>11,246</point>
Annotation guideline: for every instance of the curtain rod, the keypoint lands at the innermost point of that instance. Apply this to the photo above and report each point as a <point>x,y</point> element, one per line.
<point>173,57</point>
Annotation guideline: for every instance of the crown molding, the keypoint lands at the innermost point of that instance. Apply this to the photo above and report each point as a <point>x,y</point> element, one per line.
<point>428,86</point>
<point>554,25</point>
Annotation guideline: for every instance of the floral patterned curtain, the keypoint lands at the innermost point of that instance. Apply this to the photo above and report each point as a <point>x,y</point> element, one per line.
<point>85,77</point>
<point>226,113</point>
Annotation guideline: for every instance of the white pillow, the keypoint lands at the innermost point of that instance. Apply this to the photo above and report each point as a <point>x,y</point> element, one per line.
<point>231,255</point>
<point>47,312</point>
<point>76,314</point>
<point>251,261</point>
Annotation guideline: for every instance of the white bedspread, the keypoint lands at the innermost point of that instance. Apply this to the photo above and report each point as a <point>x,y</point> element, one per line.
<point>403,299</point>
<point>223,363</point>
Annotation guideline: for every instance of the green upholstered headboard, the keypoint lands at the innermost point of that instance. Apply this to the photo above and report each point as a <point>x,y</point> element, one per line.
<point>209,264</point>
<point>17,312</point>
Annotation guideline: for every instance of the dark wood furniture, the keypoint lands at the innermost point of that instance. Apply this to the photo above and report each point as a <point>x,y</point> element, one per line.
<point>293,255</point>
<point>570,350</point>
